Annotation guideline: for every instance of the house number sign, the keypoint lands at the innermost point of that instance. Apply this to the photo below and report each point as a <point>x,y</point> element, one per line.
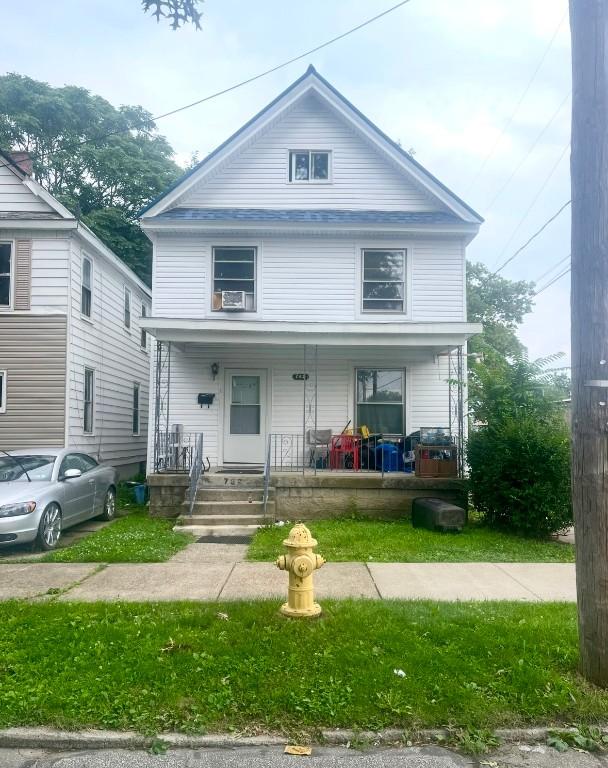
<point>300,376</point>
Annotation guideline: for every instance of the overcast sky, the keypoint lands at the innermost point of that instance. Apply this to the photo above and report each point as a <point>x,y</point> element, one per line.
<point>443,77</point>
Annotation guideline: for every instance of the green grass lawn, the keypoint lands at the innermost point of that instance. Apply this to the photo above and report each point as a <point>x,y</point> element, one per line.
<point>186,667</point>
<point>384,542</point>
<point>134,537</point>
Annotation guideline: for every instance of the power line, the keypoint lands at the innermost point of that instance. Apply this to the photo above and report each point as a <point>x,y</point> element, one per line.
<point>507,125</point>
<point>534,236</point>
<point>548,271</point>
<point>241,83</point>
<point>527,213</point>
<point>529,152</point>
<point>554,280</point>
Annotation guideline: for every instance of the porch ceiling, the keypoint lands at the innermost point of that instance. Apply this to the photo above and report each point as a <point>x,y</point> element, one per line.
<point>223,331</point>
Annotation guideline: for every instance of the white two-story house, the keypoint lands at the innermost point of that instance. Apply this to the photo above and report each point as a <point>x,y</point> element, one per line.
<point>74,358</point>
<point>308,275</point>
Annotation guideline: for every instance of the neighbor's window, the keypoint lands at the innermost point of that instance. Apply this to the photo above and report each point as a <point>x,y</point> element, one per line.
<point>383,277</point>
<point>86,289</point>
<point>2,391</point>
<point>308,165</point>
<point>143,334</point>
<point>5,274</point>
<point>127,308</point>
<point>88,399</point>
<point>234,270</point>
<point>136,408</point>
<point>380,400</point>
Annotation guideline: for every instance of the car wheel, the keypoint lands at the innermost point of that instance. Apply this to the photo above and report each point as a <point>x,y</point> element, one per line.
<point>49,529</point>
<point>109,505</point>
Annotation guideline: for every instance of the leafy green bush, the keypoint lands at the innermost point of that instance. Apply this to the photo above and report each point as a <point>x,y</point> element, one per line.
<point>519,456</point>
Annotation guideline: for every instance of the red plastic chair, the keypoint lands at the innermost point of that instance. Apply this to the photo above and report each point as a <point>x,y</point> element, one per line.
<point>342,450</point>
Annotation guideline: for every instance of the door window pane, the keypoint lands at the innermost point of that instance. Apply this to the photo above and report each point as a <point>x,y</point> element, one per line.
<point>245,405</point>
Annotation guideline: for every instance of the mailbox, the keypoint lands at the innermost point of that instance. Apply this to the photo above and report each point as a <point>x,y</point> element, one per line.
<point>205,398</point>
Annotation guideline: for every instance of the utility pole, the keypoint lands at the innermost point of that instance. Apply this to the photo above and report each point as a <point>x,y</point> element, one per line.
<point>589,304</point>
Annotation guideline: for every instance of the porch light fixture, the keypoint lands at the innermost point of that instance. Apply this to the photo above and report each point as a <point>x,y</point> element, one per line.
<point>215,369</point>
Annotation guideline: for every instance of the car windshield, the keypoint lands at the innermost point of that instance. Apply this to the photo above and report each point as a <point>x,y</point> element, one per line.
<point>38,468</point>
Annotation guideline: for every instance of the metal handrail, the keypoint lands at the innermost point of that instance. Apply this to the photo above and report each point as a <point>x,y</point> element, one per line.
<point>195,471</point>
<point>267,475</point>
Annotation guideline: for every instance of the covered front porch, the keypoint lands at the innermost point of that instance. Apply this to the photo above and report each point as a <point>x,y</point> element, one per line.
<point>305,399</point>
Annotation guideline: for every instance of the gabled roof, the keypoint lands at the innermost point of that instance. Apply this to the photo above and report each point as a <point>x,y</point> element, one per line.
<point>312,80</point>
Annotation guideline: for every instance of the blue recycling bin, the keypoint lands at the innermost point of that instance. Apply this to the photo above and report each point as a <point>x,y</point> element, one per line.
<point>387,457</point>
<point>139,491</point>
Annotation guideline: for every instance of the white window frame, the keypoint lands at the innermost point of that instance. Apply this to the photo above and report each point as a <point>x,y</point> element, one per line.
<point>128,303</point>
<point>256,276</point>
<point>136,411</point>
<point>143,333</point>
<point>291,153</point>
<point>404,390</point>
<point>82,286</point>
<point>11,276</point>
<point>3,388</point>
<point>385,314</point>
<point>90,431</point>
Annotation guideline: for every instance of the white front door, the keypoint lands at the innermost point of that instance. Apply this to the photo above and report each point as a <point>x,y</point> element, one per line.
<point>245,417</point>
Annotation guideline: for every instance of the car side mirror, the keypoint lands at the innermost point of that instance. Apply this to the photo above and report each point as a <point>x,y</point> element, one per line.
<point>70,474</point>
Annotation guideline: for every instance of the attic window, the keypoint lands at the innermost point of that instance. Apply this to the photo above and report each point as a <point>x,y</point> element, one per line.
<point>308,165</point>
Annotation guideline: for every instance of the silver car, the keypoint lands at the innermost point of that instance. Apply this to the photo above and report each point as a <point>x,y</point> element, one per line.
<point>43,491</point>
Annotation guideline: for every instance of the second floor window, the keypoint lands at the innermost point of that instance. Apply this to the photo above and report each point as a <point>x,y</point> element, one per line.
<point>88,399</point>
<point>308,165</point>
<point>86,292</point>
<point>143,334</point>
<point>383,280</point>
<point>127,317</point>
<point>234,272</point>
<point>5,274</point>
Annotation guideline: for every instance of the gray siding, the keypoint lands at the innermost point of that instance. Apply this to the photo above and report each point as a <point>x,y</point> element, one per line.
<point>33,353</point>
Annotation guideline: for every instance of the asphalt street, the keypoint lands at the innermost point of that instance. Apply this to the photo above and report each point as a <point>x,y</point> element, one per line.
<point>513,756</point>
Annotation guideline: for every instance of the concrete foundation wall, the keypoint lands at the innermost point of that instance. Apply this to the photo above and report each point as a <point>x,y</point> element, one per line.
<point>167,494</point>
<point>325,496</point>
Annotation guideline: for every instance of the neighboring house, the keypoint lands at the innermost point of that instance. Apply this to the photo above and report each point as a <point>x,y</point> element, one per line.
<point>307,273</point>
<point>74,359</point>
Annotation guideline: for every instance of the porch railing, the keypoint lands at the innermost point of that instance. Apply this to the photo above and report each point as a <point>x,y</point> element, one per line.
<point>176,451</point>
<point>291,452</point>
<point>196,470</point>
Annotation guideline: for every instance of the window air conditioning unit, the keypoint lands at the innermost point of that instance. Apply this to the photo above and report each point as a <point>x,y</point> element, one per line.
<point>233,300</point>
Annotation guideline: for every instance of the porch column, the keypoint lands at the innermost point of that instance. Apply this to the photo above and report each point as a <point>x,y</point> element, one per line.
<point>309,409</point>
<point>456,405</point>
<point>162,391</point>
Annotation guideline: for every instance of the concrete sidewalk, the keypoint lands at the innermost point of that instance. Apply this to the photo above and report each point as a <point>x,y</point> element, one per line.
<point>215,572</point>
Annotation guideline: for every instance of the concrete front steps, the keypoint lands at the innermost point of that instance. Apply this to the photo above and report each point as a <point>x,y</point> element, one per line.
<point>228,505</point>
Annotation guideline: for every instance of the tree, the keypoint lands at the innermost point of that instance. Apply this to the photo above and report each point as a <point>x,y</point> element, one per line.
<point>104,164</point>
<point>589,304</point>
<point>179,11</point>
<point>519,452</point>
<point>499,304</point>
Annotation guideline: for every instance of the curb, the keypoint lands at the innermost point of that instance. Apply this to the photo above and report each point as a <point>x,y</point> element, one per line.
<point>48,738</point>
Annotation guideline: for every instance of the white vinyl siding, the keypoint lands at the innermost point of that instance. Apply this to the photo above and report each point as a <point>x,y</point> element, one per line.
<point>88,401</point>
<point>309,278</point>
<point>3,391</point>
<point>118,360</point>
<point>7,259</point>
<point>257,177</point>
<point>15,196</point>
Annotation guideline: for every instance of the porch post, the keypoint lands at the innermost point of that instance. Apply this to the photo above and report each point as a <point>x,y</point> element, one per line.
<point>309,410</point>
<point>162,382</point>
<point>456,401</point>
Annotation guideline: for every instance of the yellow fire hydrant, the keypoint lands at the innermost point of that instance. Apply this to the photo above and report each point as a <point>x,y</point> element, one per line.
<point>301,562</point>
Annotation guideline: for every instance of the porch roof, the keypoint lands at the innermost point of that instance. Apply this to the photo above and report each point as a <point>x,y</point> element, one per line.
<point>390,334</point>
